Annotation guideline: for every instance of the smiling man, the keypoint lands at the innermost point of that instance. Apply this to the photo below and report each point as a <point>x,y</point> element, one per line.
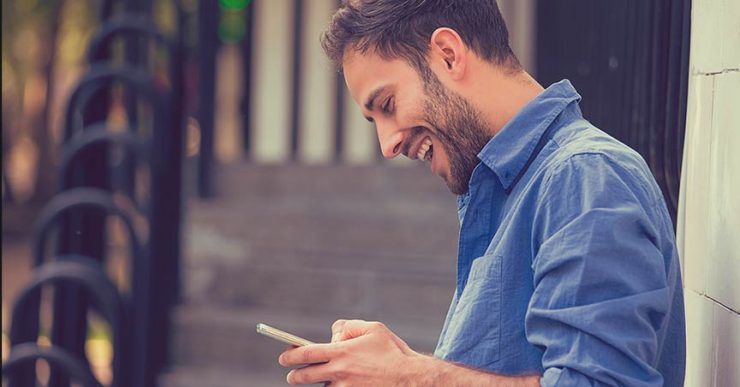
<point>567,269</point>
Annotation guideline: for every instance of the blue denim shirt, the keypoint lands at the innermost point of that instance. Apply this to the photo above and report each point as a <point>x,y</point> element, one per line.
<point>567,264</point>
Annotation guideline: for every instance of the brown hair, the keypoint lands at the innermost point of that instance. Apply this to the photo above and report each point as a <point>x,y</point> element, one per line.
<point>403,28</point>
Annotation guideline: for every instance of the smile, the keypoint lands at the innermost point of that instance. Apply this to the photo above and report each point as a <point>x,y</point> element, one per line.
<point>426,150</point>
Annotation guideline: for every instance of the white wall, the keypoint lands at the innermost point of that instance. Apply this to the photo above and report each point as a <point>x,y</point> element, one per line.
<point>709,213</point>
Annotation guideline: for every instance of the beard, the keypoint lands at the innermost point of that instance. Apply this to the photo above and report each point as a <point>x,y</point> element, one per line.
<point>459,127</point>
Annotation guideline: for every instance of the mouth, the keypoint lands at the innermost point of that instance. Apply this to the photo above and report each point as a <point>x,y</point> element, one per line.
<point>419,146</point>
<point>426,150</point>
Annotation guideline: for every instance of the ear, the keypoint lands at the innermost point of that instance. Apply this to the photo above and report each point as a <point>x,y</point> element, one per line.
<point>448,47</point>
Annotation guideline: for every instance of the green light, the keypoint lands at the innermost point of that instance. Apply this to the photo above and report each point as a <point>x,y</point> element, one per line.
<point>234,4</point>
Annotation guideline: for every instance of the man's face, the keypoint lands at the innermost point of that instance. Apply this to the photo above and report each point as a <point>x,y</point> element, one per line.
<point>417,117</point>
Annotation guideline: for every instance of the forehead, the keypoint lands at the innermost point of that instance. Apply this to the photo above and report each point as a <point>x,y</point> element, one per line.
<point>365,72</point>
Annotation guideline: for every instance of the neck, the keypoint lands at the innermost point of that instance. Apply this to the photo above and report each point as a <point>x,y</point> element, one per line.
<point>499,95</point>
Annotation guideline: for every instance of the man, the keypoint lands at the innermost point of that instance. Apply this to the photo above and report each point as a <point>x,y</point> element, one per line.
<point>567,269</point>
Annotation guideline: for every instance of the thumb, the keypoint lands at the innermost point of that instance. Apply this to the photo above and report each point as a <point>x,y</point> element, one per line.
<point>336,330</point>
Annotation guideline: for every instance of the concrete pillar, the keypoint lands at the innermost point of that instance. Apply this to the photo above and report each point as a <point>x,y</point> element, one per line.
<point>709,209</point>
<point>273,57</point>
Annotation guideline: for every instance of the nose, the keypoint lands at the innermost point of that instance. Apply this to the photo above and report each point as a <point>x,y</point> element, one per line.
<point>391,140</point>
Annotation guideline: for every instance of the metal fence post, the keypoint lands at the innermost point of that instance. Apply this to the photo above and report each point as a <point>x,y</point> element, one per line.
<point>86,273</point>
<point>339,113</point>
<point>207,47</point>
<point>246,105</point>
<point>295,97</point>
<point>166,209</point>
<point>81,233</point>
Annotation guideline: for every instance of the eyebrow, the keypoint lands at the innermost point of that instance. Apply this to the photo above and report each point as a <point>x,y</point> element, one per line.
<point>370,102</point>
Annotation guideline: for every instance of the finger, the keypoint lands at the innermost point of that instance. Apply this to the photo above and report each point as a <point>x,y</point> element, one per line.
<point>307,354</point>
<point>288,348</point>
<point>356,328</point>
<point>336,329</point>
<point>320,373</point>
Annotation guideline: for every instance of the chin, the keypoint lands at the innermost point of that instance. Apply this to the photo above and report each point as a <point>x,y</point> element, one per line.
<point>455,187</point>
<point>458,191</point>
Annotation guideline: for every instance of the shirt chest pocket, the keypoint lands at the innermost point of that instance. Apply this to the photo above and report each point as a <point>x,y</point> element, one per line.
<point>476,331</point>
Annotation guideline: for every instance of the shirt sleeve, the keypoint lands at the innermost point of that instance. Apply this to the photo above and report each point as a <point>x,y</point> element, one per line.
<point>600,288</point>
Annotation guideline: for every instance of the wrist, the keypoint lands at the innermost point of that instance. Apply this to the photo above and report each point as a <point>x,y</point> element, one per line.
<point>424,370</point>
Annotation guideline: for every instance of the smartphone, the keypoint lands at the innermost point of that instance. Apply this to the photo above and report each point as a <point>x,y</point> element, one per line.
<point>283,336</point>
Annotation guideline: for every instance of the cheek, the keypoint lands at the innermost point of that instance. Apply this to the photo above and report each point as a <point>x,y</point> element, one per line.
<point>412,112</point>
<point>440,152</point>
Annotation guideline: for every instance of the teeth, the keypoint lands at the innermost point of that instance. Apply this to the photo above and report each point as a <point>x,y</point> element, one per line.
<point>424,149</point>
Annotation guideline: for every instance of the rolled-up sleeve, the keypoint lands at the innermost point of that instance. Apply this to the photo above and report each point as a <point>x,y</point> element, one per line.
<point>600,287</point>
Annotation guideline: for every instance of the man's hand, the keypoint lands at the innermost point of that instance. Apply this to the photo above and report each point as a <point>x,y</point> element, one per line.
<point>362,353</point>
<point>366,353</point>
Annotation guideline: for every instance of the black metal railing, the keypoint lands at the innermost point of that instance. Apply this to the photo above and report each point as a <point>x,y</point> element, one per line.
<point>208,43</point>
<point>93,189</point>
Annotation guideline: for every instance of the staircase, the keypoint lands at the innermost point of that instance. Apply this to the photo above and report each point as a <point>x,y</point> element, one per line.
<point>298,247</point>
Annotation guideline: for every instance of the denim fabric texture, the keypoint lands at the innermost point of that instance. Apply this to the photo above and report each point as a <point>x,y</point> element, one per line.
<point>567,262</point>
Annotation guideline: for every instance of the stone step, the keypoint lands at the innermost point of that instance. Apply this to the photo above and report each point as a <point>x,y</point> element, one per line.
<point>325,189</point>
<point>205,337</point>
<point>381,289</point>
<point>324,180</point>
<point>206,243</point>
<point>220,377</point>
<point>391,213</point>
<point>223,252</point>
<point>390,236</point>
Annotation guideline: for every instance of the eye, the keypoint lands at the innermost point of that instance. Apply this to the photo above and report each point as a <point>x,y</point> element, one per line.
<point>387,106</point>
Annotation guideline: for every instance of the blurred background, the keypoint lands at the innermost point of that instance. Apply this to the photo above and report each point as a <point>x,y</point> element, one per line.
<point>284,211</point>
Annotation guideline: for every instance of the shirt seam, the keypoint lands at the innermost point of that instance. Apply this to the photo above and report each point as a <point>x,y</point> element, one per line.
<point>615,164</point>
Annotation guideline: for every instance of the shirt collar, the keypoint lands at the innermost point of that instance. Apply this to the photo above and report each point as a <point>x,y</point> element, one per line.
<point>508,152</point>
